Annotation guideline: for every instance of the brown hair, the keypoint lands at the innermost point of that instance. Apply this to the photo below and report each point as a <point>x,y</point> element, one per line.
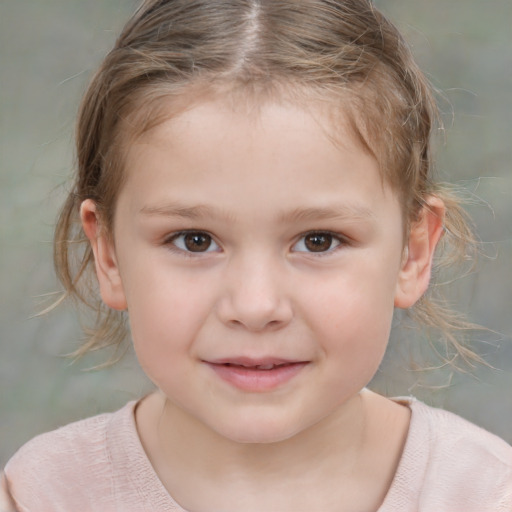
<point>344,51</point>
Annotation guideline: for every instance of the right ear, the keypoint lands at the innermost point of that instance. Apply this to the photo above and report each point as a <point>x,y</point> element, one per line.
<point>105,261</point>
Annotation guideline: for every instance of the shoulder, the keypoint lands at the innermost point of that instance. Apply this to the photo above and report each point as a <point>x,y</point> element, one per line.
<point>6,504</point>
<point>64,463</point>
<point>456,463</point>
<point>451,435</point>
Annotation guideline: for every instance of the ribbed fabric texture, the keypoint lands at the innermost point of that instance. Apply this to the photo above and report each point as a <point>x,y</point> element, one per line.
<point>98,464</point>
<point>450,465</point>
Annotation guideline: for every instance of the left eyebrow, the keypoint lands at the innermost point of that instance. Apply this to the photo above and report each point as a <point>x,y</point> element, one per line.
<point>202,211</point>
<point>336,212</point>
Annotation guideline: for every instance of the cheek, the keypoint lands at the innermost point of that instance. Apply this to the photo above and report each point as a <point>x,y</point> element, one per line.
<point>162,335</point>
<point>164,320</point>
<point>360,296</point>
<point>351,315</point>
<point>165,312</point>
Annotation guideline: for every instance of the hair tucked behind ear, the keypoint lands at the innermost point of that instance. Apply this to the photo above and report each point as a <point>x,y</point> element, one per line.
<point>455,257</point>
<point>344,51</point>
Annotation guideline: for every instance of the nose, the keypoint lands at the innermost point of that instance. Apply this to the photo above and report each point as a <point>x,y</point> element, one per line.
<point>254,296</point>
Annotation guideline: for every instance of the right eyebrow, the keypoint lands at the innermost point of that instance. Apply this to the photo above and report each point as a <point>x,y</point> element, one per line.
<point>175,209</point>
<point>202,211</point>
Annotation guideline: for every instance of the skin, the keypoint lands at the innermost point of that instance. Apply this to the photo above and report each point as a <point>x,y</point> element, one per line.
<point>257,186</point>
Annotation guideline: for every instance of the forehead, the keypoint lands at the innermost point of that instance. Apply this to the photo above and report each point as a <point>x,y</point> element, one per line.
<point>208,122</point>
<point>272,154</point>
<point>159,103</point>
<point>335,116</point>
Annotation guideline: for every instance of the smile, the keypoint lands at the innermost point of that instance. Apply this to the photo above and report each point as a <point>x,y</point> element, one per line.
<point>256,375</point>
<point>259,366</point>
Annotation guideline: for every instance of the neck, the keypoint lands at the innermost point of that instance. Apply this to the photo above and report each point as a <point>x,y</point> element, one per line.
<point>188,441</point>
<point>348,459</point>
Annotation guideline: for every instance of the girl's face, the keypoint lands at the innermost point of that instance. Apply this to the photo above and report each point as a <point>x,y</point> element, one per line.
<point>260,264</point>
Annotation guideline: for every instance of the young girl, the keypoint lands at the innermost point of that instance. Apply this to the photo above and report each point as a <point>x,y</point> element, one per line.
<point>255,189</point>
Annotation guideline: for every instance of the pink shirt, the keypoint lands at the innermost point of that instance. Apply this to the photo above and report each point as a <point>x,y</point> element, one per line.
<point>98,464</point>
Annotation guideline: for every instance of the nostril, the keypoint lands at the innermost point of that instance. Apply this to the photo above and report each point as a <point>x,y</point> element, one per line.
<point>255,325</point>
<point>254,311</point>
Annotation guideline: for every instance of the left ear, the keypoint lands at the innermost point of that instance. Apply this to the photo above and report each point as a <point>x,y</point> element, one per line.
<point>425,233</point>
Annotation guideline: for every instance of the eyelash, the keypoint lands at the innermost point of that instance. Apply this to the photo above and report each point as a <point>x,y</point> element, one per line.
<point>334,238</point>
<point>170,242</point>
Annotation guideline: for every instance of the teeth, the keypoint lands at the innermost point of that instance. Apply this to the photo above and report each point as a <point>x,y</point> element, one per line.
<point>257,366</point>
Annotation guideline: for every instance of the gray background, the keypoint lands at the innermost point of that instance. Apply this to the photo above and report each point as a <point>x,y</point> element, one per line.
<point>48,50</point>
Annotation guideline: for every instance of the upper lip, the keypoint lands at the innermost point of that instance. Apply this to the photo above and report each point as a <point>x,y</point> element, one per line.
<point>251,362</point>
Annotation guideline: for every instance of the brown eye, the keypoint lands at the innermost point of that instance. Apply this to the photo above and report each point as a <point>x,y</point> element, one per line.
<point>194,241</point>
<point>197,242</point>
<point>317,242</point>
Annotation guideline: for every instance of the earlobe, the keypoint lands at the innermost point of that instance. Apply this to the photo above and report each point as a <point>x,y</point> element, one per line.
<point>424,235</point>
<point>105,261</point>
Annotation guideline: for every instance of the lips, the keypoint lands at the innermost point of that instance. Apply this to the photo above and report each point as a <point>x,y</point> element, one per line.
<point>256,375</point>
<point>262,366</point>
<point>249,362</point>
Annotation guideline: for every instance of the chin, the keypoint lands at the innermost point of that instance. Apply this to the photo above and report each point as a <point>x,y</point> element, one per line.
<point>258,437</point>
<point>258,431</point>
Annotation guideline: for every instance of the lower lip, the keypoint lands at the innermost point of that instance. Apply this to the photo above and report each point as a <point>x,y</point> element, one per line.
<point>251,379</point>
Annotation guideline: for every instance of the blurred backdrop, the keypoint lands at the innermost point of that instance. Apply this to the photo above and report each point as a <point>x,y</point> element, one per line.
<point>48,51</point>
